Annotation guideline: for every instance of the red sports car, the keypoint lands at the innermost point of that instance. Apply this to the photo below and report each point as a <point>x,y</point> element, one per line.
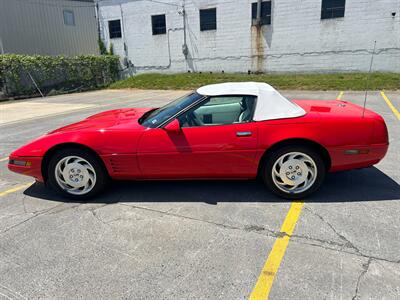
<point>221,131</point>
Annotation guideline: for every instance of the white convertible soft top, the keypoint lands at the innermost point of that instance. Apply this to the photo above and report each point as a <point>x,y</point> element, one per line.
<point>270,103</point>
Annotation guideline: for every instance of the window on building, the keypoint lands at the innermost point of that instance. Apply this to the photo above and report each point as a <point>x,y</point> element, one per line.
<point>208,19</point>
<point>265,12</point>
<point>158,24</point>
<point>332,9</point>
<point>69,17</point>
<point>114,28</point>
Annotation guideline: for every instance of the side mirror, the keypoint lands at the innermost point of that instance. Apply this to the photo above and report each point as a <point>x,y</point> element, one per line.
<point>173,126</point>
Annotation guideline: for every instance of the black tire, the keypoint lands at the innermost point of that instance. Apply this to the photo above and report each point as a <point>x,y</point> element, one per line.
<point>271,159</point>
<point>100,171</point>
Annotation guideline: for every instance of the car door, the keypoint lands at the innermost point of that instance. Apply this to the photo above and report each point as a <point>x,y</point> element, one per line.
<point>217,144</point>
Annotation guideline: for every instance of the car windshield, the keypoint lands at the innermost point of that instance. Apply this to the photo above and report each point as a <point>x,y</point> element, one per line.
<point>158,116</point>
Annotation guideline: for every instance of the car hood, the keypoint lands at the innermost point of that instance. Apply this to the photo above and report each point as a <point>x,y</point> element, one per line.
<point>108,120</point>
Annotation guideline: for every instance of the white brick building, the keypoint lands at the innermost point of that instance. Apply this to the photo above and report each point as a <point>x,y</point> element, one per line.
<point>303,35</point>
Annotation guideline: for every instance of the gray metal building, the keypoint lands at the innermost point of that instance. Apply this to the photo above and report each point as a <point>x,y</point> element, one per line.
<point>48,27</point>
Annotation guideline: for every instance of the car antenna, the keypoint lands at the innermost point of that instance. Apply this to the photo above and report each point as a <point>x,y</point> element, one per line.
<point>368,78</point>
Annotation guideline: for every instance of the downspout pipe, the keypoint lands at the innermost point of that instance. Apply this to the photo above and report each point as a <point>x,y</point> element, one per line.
<point>123,30</point>
<point>184,46</point>
<point>1,46</point>
<point>258,18</point>
<point>97,11</point>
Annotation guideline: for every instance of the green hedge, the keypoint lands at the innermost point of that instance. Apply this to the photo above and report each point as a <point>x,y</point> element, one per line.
<point>55,73</point>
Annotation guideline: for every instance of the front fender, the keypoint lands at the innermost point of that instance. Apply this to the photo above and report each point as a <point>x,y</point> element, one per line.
<point>39,146</point>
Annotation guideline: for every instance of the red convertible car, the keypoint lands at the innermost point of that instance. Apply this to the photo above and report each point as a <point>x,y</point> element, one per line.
<point>221,131</point>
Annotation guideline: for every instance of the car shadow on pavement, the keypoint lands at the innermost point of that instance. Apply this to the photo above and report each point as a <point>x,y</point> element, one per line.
<point>358,185</point>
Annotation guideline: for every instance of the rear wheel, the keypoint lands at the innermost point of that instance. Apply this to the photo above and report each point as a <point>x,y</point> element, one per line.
<point>293,172</point>
<point>76,173</point>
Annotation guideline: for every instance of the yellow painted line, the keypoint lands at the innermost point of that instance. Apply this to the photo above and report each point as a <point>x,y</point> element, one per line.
<point>395,111</point>
<point>4,159</point>
<point>15,189</point>
<point>267,276</point>
<point>339,97</point>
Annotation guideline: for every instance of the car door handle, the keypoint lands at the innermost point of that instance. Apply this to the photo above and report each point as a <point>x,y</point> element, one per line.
<point>243,133</point>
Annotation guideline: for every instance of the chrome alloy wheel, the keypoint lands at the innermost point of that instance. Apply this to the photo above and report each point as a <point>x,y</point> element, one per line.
<point>294,172</point>
<point>75,175</point>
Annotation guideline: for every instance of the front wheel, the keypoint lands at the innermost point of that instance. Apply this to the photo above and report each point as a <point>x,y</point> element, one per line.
<point>76,173</point>
<point>293,172</point>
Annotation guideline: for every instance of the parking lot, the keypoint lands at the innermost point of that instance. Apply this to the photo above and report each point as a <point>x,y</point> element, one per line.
<point>196,239</point>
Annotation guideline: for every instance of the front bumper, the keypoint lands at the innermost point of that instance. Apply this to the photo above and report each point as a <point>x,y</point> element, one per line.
<point>34,169</point>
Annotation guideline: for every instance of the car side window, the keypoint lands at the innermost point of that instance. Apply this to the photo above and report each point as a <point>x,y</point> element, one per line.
<point>219,110</point>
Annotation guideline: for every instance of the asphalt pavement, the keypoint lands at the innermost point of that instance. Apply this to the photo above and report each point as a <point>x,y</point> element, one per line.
<point>196,239</point>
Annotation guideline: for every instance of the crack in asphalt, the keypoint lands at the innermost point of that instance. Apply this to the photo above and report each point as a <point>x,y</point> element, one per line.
<point>362,274</point>
<point>94,214</point>
<point>181,216</point>
<point>77,206</point>
<point>301,239</point>
<point>347,244</point>
<point>47,211</point>
<point>70,207</point>
<point>346,247</point>
<point>35,214</point>
<point>11,293</point>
